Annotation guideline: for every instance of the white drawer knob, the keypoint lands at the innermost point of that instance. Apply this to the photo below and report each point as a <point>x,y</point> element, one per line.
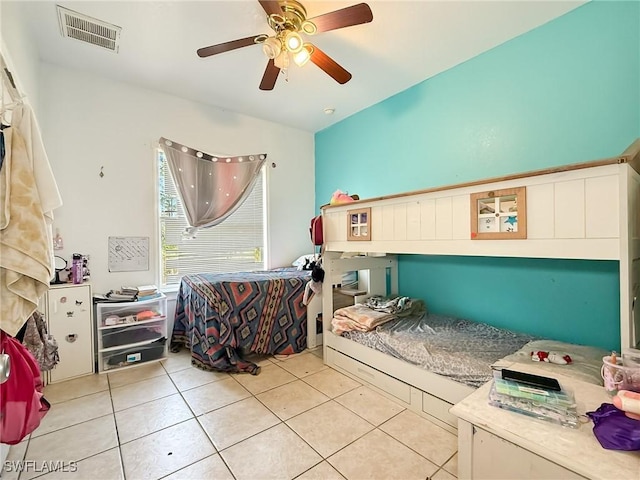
<point>72,337</point>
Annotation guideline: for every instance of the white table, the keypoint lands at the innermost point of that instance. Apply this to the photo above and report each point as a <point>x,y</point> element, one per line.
<point>498,444</point>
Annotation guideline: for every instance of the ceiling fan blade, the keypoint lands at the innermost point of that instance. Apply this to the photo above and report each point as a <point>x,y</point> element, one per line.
<point>271,7</point>
<point>326,63</point>
<point>270,76</point>
<point>227,46</point>
<point>345,17</point>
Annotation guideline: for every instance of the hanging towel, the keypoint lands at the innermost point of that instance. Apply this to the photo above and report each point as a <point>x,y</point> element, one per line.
<point>1,147</point>
<point>25,266</point>
<point>24,120</point>
<point>5,181</point>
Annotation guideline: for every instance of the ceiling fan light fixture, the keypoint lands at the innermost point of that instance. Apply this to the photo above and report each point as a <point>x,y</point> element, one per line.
<point>288,21</point>
<point>293,42</point>
<point>282,60</point>
<point>303,55</point>
<point>277,19</point>
<point>272,47</point>
<point>309,27</point>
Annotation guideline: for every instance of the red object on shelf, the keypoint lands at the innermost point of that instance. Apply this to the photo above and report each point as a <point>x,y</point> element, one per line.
<point>146,314</point>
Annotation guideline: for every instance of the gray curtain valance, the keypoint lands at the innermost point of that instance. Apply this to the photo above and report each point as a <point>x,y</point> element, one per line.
<point>211,187</point>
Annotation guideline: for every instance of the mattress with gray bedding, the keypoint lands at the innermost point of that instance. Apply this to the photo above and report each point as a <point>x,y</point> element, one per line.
<point>458,349</point>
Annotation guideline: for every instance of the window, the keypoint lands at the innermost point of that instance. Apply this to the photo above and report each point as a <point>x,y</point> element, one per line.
<point>235,245</point>
<point>499,214</point>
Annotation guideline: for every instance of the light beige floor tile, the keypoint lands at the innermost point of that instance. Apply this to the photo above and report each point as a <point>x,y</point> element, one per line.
<point>303,365</point>
<point>280,357</point>
<point>443,475</point>
<point>377,456</point>
<point>78,387</point>
<point>339,427</point>
<point>73,412</point>
<point>322,471</point>
<point>166,451</point>
<point>452,465</point>
<point>105,465</point>
<point>236,422</point>
<point>150,417</point>
<point>260,360</point>
<point>316,351</point>
<point>331,382</point>
<point>426,438</point>
<point>177,361</point>
<point>142,392</point>
<point>73,443</point>
<point>214,395</point>
<point>277,453</point>
<point>194,377</point>
<point>370,405</point>
<point>270,376</point>
<point>292,399</point>
<point>211,467</point>
<point>120,378</point>
<point>16,454</point>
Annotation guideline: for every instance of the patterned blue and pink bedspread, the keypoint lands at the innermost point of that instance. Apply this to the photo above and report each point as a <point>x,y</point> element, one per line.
<point>221,316</point>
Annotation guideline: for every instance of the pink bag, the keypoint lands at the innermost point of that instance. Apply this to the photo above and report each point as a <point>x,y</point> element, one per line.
<point>22,405</point>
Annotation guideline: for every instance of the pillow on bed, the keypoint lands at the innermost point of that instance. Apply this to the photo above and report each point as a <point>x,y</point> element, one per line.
<point>303,260</point>
<point>585,365</point>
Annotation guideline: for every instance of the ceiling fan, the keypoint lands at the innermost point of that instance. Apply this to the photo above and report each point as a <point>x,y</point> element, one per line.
<point>288,19</point>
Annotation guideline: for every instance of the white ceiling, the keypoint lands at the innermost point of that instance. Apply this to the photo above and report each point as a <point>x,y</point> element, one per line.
<point>407,42</point>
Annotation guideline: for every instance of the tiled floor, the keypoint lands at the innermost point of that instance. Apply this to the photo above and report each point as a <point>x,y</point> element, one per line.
<point>296,419</point>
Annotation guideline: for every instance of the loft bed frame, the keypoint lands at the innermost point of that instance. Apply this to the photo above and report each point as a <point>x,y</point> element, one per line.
<point>581,211</point>
<point>314,312</point>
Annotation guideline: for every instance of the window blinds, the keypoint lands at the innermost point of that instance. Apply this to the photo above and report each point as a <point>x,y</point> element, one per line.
<point>235,245</point>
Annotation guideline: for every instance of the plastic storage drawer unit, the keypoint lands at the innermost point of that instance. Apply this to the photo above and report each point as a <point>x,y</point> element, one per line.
<point>133,334</point>
<point>126,356</point>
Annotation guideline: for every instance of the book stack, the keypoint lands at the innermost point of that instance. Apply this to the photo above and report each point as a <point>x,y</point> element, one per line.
<point>147,292</point>
<point>552,406</point>
<point>120,296</point>
<point>132,291</point>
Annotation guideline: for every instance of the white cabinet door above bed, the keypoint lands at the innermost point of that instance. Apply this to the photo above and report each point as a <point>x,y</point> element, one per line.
<point>571,214</point>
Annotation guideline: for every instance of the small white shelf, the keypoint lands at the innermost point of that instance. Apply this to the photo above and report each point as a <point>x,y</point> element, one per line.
<point>116,344</point>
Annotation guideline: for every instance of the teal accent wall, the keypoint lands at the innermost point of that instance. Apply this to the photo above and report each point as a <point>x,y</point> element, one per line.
<point>566,92</point>
<point>569,300</point>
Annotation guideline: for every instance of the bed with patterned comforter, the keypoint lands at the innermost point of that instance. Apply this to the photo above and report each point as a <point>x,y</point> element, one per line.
<point>220,317</point>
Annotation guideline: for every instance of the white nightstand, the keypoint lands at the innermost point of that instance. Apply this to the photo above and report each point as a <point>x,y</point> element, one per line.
<point>68,312</point>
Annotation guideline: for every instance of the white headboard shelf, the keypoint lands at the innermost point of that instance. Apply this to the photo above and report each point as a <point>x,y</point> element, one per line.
<point>581,211</point>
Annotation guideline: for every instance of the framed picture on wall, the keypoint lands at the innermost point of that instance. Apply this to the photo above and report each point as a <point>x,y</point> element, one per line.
<point>359,224</point>
<point>499,214</point>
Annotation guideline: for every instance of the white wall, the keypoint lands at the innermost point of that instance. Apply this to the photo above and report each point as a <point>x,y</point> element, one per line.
<point>19,50</point>
<point>90,122</point>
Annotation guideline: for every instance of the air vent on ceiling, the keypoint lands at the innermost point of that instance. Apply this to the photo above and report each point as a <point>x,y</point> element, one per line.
<point>88,29</point>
